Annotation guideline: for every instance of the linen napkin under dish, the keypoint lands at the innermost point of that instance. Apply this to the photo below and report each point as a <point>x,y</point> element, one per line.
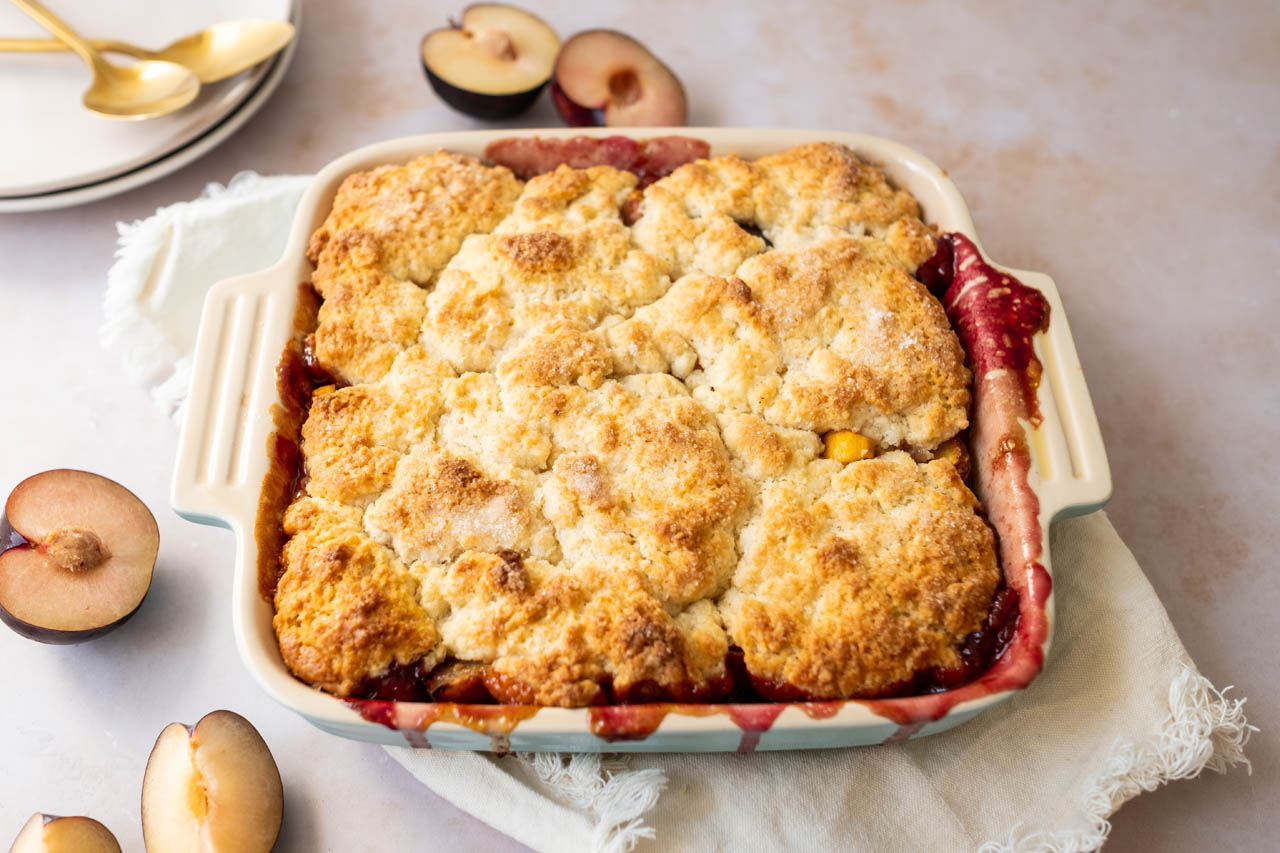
<point>1119,709</point>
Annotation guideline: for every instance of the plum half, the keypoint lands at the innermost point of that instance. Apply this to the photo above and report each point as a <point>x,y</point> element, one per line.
<point>493,62</point>
<point>48,833</point>
<point>211,787</point>
<point>604,77</point>
<point>80,550</point>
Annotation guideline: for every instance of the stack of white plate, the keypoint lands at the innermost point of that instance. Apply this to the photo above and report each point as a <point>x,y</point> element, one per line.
<point>54,153</point>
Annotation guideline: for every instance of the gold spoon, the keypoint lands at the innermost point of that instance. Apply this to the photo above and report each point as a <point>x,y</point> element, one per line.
<point>213,54</point>
<point>145,89</point>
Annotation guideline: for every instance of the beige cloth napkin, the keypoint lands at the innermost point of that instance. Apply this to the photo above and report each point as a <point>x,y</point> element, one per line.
<point>1120,708</point>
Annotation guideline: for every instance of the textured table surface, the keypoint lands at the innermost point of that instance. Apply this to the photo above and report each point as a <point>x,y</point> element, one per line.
<point>1130,150</point>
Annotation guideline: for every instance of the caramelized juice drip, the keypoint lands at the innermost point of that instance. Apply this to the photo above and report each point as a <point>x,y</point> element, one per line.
<point>996,317</point>
<point>754,720</point>
<point>413,719</point>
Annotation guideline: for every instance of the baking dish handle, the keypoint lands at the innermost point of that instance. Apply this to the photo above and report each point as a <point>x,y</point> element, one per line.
<point>1071,458</point>
<point>222,458</point>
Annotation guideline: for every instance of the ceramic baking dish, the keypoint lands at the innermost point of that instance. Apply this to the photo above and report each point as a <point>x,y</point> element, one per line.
<point>223,458</point>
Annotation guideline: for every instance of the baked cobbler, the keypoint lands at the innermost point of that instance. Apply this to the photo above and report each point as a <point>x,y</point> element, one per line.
<point>577,442</point>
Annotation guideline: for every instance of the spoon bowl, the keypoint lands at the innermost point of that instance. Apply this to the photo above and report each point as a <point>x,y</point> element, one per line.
<point>143,90</point>
<point>227,48</point>
<point>146,89</point>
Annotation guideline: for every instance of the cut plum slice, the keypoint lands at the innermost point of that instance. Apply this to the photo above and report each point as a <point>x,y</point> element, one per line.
<point>492,63</point>
<point>604,77</point>
<point>47,833</point>
<point>211,787</point>
<point>80,556</point>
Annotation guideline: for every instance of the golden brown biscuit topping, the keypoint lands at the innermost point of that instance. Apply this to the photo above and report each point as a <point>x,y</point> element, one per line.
<point>580,443</point>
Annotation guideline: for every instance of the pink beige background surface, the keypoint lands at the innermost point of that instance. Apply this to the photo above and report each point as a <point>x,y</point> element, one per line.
<point>1130,150</point>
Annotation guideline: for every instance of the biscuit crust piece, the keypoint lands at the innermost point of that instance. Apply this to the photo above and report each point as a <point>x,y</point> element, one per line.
<point>574,636</point>
<point>855,578</point>
<point>390,232</point>
<point>836,336</point>
<point>575,445</point>
<point>345,608</point>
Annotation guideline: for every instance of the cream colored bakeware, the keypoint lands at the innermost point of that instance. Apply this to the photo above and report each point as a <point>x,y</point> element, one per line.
<point>223,459</point>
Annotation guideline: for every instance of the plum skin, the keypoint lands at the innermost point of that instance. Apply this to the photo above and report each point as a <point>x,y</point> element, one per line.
<point>574,114</point>
<point>478,105</point>
<point>56,637</point>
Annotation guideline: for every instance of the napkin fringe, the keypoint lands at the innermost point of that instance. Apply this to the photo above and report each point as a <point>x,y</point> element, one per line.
<point>617,797</point>
<point>1204,731</point>
<point>142,252</point>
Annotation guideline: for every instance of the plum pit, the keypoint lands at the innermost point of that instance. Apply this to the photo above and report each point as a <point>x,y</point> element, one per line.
<point>75,549</point>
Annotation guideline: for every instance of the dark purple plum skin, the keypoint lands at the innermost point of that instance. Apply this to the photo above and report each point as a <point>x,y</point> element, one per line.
<point>11,540</point>
<point>54,637</point>
<point>574,114</point>
<point>488,107</point>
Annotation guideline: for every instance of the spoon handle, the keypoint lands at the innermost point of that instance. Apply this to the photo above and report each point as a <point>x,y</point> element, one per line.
<point>55,25</point>
<point>30,45</point>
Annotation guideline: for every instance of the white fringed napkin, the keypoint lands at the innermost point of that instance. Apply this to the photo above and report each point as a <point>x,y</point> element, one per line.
<point>1119,710</point>
<point>166,263</point>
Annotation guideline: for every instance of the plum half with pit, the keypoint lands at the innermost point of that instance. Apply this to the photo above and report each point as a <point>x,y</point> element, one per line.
<point>48,833</point>
<point>493,62</point>
<point>604,77</point>
<point>212,787</point>
<point>78,559</point>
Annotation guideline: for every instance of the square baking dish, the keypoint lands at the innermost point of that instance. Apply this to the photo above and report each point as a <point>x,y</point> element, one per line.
<point>226,448</point>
